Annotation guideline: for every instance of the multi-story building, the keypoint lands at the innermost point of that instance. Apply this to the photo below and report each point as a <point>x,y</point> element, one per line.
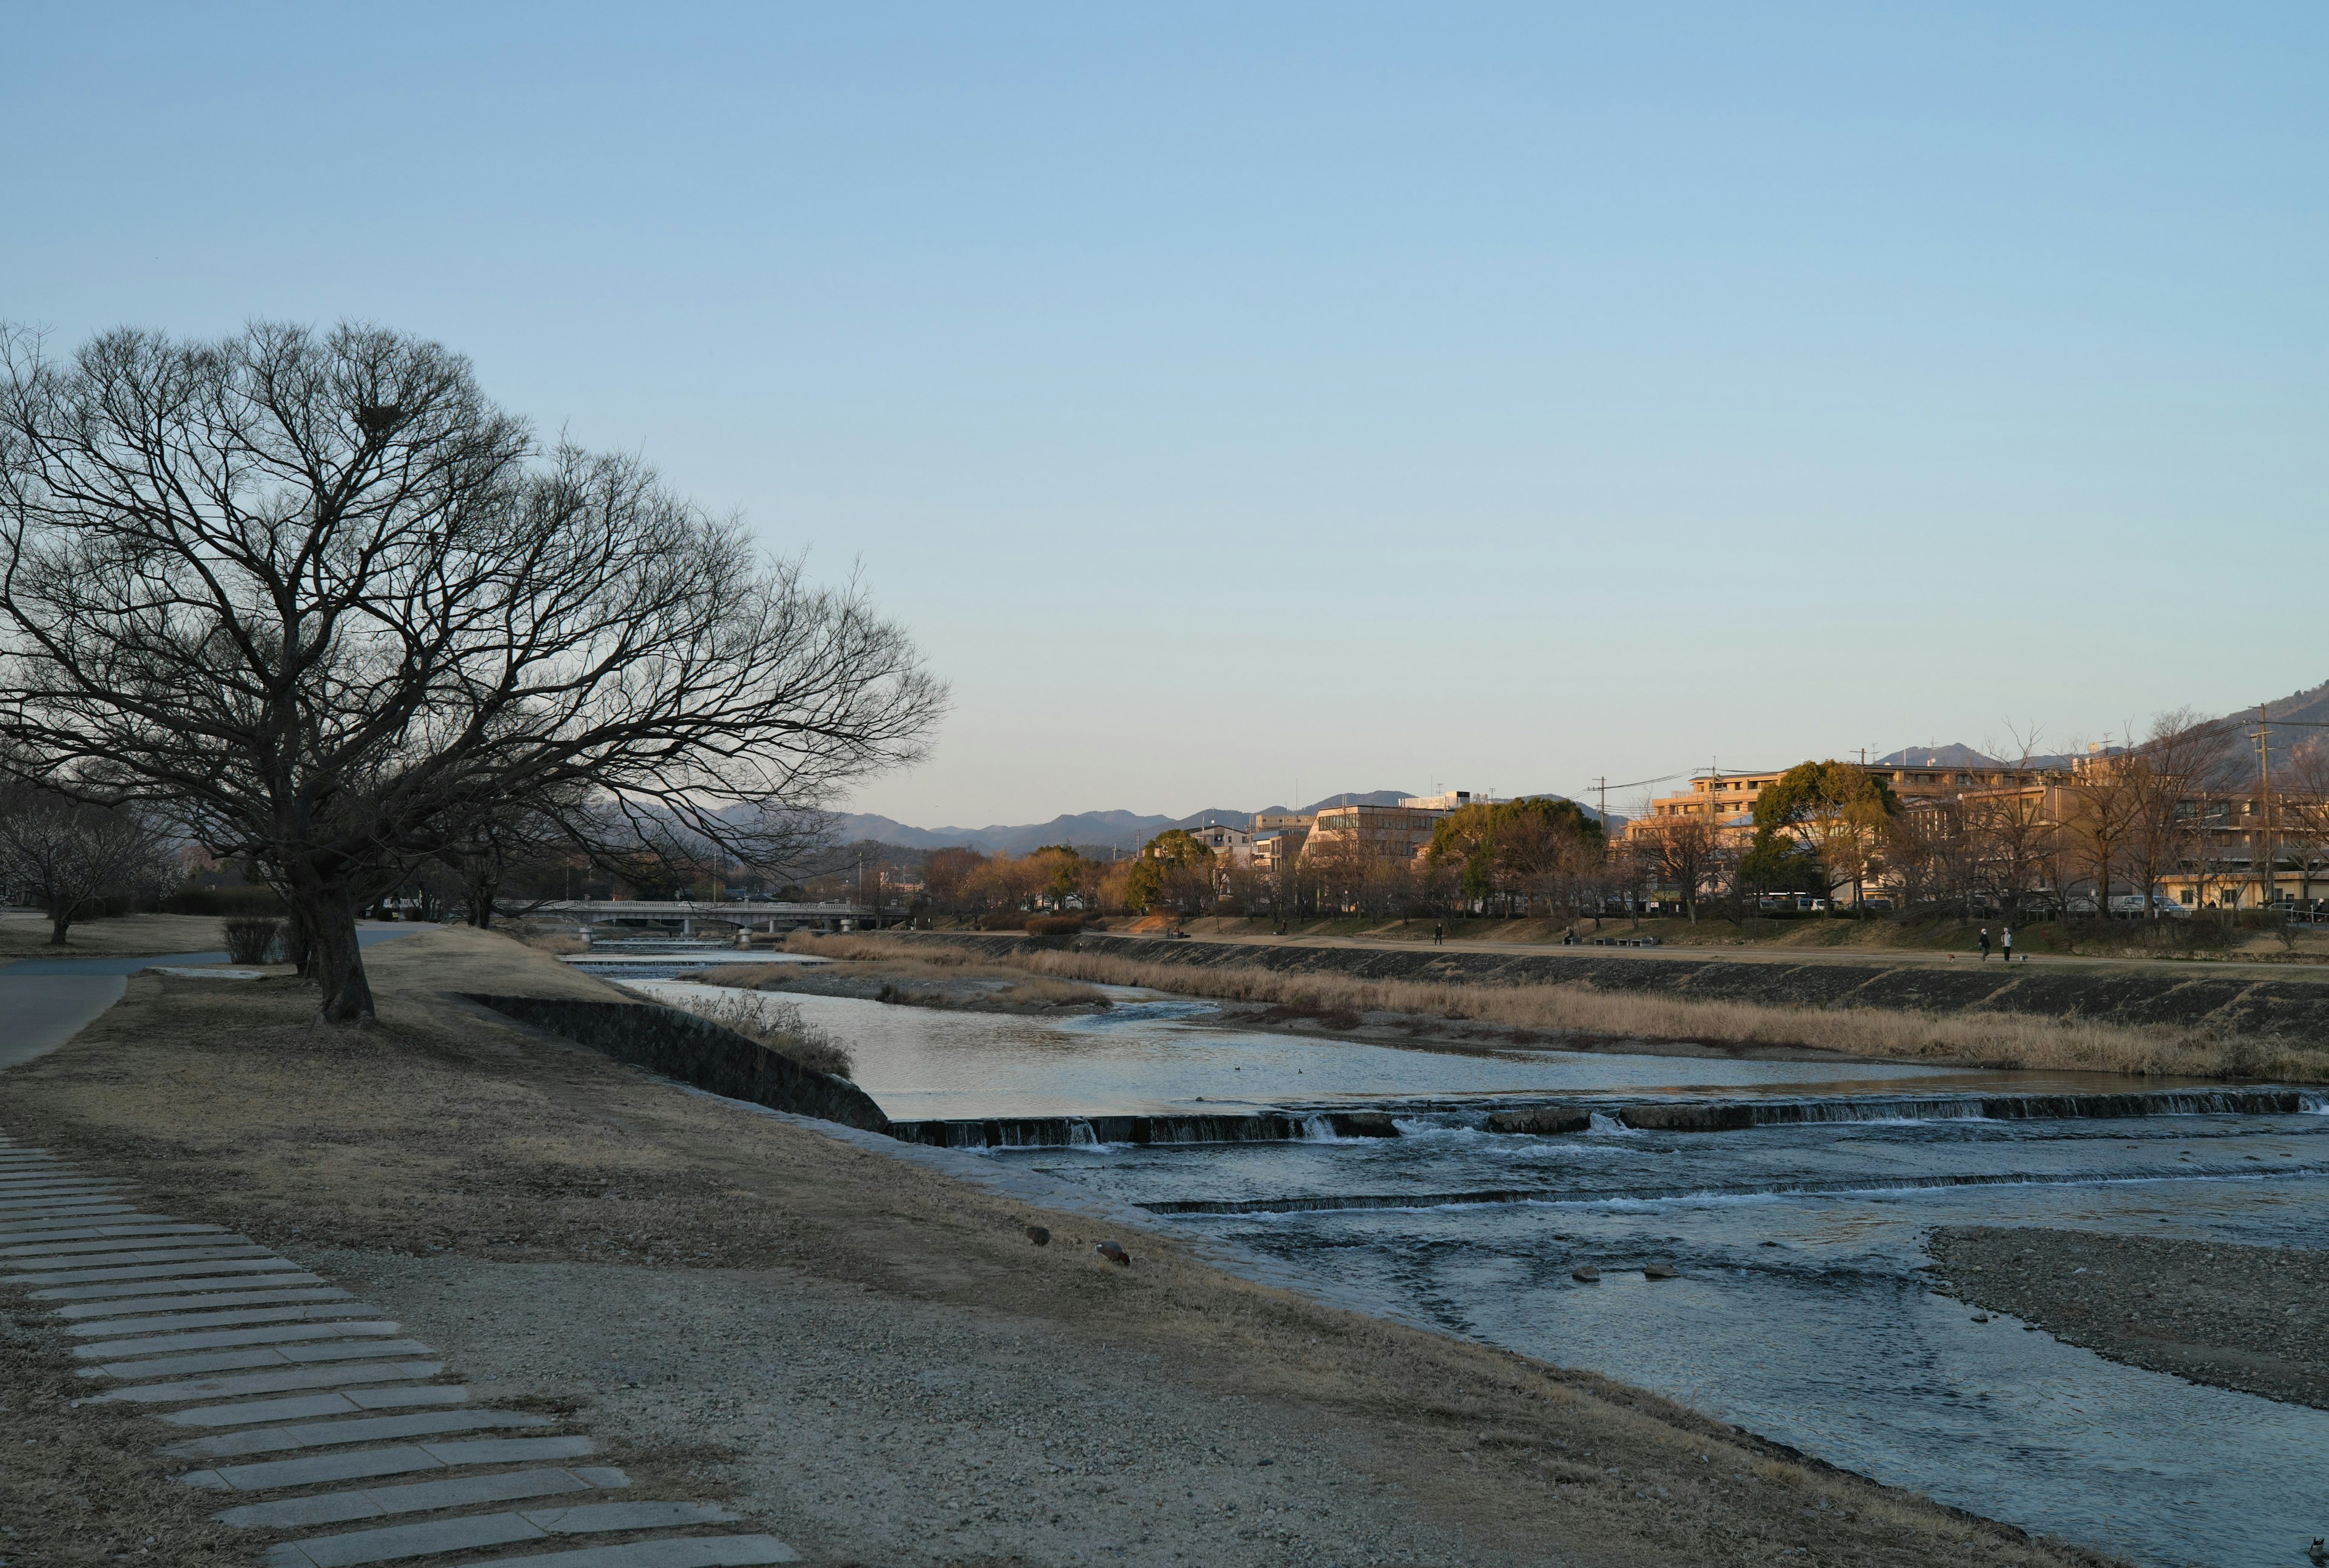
<point>1236,843</point>
<point>1372,832</point>
<point>1728,799</point>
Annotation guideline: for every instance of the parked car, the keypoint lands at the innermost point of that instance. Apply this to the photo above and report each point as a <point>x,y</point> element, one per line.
<point>2130,904</point>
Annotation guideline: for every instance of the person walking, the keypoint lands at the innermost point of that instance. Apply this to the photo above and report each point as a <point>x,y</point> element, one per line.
<point>1985,944</point>
<point>1438,931</point>
<point>2006,944</point>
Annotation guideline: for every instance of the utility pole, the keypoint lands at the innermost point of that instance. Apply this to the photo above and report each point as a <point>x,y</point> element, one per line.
<point>2264,769</point>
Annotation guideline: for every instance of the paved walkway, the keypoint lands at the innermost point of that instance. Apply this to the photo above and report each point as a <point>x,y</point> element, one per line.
<point>1869,956</point>
<point>45,1002</point>
<point>308,1411</point>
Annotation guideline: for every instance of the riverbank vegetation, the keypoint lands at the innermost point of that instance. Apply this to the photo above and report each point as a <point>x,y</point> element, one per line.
<point>2000,1040</point>
<point>770,1022</point>
<point>931,975</point>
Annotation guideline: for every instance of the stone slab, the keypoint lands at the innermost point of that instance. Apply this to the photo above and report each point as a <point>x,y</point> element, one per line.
<point>82,1209</point>
<point>247,1413</point>
<point>693,1552</point>
<point>385,1545</point>
<point>223,1316</point>
<point>105,1224</point>
<point>384,1502</point>
<point>255,1297</point>
<point>275,1440</point>
<point>126,1249</point>
<point>270,1334</point>
<point>127,1290</point>
<point>358,1464</point>
<point>18,1210</point>
<point>282,1380</point>
<point>604,1476</point>
<point>136,1227</point>
<point>251,1413</point>
<point>258,1355</point>
<point>258,1262</point>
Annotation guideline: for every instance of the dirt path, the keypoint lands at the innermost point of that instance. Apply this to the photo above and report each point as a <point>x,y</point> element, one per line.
<point>864,1353</point>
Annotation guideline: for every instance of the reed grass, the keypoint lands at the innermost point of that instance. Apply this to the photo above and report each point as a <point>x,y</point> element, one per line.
<point>1996,1040</point>
<point>2004,1040</point>
<point>767,1021</point>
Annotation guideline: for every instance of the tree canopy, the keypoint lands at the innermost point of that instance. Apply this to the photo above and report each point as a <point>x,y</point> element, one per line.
<point>317,599</point>
<point>1507,846</point>
<point>1175,871</point>
<point>1818,825</point>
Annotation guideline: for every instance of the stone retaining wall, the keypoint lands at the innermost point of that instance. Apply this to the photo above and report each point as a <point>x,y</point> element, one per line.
<point>698,1052</point>
<point>2175,994</point>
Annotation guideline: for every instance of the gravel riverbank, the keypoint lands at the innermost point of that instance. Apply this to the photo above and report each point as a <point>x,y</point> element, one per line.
<point>2251,1318</point>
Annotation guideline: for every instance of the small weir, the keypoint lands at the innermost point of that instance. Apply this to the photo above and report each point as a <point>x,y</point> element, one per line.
<point>1569,1117</point>
<point>1317,1203</point>
<point>1091,1131</point>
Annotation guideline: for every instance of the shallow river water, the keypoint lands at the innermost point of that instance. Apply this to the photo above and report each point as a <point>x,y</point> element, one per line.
<point>1800,1312</point>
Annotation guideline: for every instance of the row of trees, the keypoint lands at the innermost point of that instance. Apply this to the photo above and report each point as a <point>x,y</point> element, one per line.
<point>313,602</point>
<point>2181,800</point>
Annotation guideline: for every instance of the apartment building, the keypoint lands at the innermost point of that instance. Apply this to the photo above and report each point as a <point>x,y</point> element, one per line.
<point>1236,843</point>
<point>1728,799</point>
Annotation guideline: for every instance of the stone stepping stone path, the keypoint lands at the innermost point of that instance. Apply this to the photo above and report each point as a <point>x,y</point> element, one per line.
<point>311,1411</point>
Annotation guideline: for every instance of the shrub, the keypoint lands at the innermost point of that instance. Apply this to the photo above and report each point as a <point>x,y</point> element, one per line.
<point>769,1022</point>
<point>1002,919</point>
<point>229,902</point>
<point>1055,925</point>
<point>252,941</point>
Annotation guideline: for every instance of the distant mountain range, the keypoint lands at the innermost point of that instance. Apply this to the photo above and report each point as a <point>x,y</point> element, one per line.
<point>1088,829</point>
<point>2294,721</point>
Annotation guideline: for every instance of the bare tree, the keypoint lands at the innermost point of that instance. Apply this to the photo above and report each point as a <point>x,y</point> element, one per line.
<point>318,599</point>
<point>2304,804</point>
<point>2166,779</point>
<point>70,856</point>
<point>2097,817</point>
<point>1681,852</point>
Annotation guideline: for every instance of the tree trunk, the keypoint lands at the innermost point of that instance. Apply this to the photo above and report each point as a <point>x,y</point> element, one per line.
<point>57,925</point>
<point>482,891</point>
<point>299,941</point>
<point>338,964</point>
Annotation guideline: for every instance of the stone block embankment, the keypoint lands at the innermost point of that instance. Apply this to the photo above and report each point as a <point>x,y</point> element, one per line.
<point>697,1052</point>
<point>2292,1008</point>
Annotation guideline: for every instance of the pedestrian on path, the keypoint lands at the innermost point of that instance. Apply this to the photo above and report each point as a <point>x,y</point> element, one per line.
<point>1985,944</point>
<point>1438,931</point>
<point>2005,940</point>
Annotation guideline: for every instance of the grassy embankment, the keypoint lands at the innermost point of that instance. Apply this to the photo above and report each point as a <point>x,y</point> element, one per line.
<point>441,1132</point>
<point>1991,1040</point>
<point>136,936</point>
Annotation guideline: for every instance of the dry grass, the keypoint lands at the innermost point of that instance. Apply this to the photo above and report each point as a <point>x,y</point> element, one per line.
<point>1995,1040</point>
<point>26,936</point>
<point>918,975</point>
<point>772,1021</point>
<point>440,1130</point>
<point>936,955</point>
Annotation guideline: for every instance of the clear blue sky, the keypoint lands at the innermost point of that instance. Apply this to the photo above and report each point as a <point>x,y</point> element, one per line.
<point>1353,396</point>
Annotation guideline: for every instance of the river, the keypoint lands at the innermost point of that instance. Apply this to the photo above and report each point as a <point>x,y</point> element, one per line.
<point>1801,1311</point>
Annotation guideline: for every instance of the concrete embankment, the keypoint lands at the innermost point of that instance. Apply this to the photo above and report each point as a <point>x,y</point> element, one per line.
<point>2292,1008</point>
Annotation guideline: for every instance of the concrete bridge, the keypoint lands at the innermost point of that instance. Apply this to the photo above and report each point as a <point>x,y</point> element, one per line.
<point>686,914</point>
